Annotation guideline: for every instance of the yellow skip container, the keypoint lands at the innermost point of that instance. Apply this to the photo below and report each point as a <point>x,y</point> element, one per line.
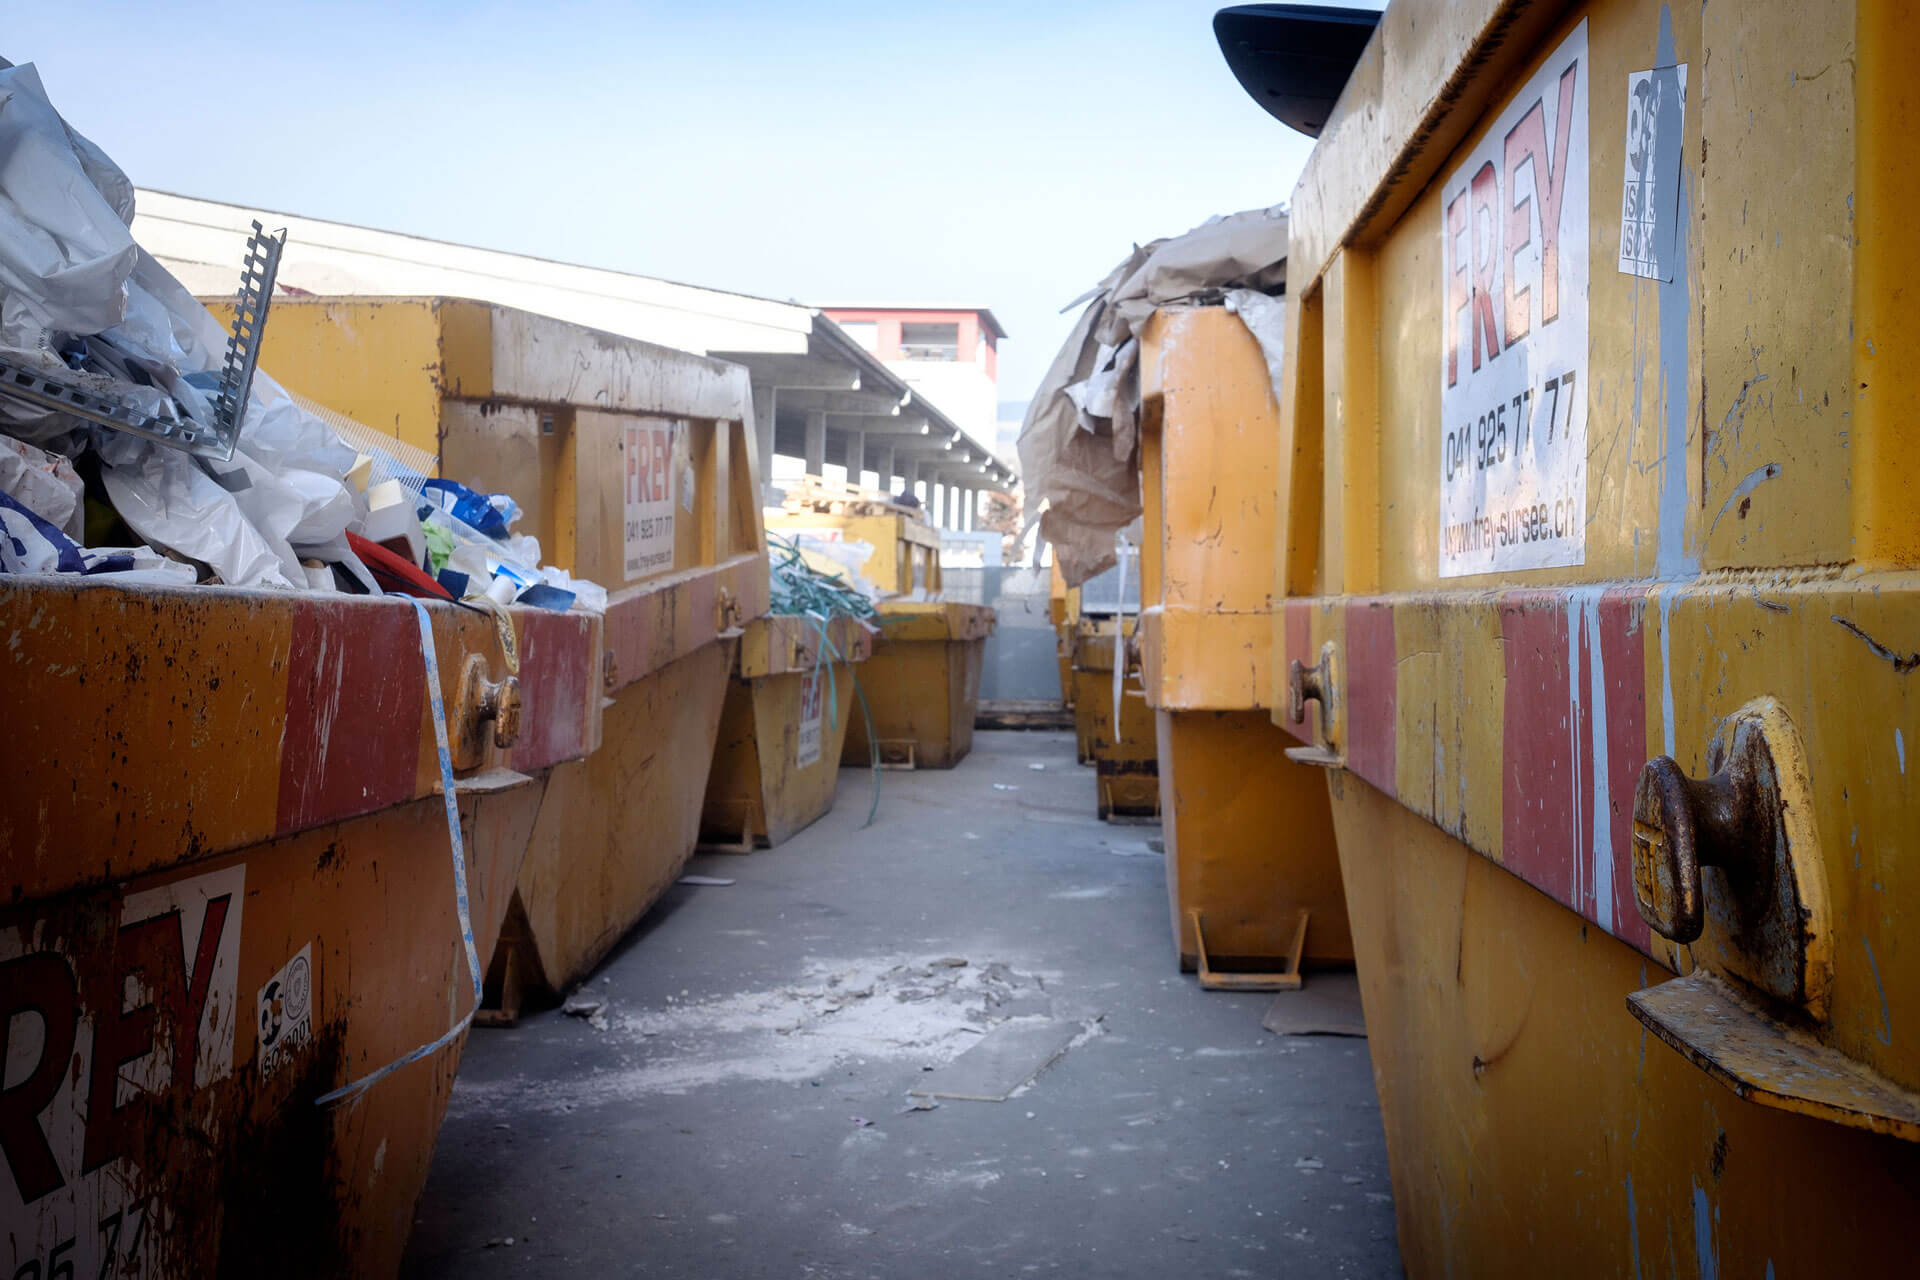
<point>634,465</point>
<point>1597,543</point>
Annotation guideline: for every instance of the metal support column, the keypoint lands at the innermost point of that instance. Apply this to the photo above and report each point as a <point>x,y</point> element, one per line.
<point>765,399</point>
<point>856,456</point>
<point>816,442</point>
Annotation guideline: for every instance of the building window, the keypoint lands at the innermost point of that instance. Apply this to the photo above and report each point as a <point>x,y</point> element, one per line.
<point>930,341</point>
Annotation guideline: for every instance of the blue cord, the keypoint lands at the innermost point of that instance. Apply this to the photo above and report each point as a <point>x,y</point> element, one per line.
<point>460,903</point>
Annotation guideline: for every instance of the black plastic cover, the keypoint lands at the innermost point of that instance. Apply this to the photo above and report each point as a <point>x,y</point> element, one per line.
<point>1294,59</point>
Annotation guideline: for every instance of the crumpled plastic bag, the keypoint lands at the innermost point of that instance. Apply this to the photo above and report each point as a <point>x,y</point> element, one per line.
<point>44,483</point>
<point>31,545</point>
<point>166,498</point>
<point>73,280</point>
<point>588,596</point>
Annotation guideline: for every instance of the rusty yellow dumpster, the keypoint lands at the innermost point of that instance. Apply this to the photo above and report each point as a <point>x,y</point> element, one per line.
<point>1123,752</point>
<point>1063,605</point>
<point>922,685</point>
<point>1598,543</point>
<point>1251,869</point>
<point>923,680</point>
<point>783,729</point>
<point>635,469</point>
<point>231,891</point>
<point>1066,628</point>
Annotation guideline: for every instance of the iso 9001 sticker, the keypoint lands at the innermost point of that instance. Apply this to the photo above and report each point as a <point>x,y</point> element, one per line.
<point>1513,387</point>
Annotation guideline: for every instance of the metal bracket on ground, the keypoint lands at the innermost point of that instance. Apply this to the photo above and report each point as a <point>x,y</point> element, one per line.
<point>1287,979</point>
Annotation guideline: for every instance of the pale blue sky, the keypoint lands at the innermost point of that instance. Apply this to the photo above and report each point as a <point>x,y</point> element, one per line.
<point>999,154</point>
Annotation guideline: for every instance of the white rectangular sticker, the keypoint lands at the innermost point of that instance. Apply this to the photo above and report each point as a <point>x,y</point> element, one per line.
<point>283,1012</point>
<point>1513,368</point>
<point>1650,186</point>
<point>648,450</point>
<point>116,1018</point>
<point>811,706</point>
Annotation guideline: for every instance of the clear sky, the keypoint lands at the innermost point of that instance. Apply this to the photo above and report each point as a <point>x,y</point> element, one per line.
<point>995,154</point>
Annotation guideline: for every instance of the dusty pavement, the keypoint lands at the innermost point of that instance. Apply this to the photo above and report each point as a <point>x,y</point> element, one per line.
<point>740,1107</point>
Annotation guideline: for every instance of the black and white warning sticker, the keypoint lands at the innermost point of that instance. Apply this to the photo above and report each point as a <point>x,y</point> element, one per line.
<point>285,1012</point>
<point>1513,367</point>
<point>1650,185</point>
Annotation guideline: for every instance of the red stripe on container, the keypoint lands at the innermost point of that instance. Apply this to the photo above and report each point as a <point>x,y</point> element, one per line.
<point>629,633</point>
<point>355,689</point>
<point>1537,793</point>
<point>1567,828</point>
<point>558,674</point>
<point>1624,662</point>
<point>702,593</point>
<point>1371,693</point>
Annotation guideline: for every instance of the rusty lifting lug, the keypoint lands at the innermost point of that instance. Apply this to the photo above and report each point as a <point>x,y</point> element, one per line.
<point>481,702</point>
<point>1734,858</point>
<point>729,616</point>
<point>1318,683</point>
<point>1682,824</point>
<point>1733,863</point>
<point>1313,683</point>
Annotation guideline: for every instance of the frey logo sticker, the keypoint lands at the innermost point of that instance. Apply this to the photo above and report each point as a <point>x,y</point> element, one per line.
<point>117,1016</point>
<point>283,1012</point>
<point>1513,367</point>
<point>648,482</point>
<point>811,706</point>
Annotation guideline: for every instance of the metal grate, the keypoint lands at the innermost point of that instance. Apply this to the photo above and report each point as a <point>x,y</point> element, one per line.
<point>107,400</point>
<point>249,322</point>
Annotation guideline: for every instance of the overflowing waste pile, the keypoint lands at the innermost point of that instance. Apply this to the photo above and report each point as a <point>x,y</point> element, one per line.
<point>1078,443</point>
<point>801,590</point>
<point>138,441</point>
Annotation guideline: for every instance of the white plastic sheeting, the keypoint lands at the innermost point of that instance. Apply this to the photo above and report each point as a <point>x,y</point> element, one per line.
<point>70,270</point>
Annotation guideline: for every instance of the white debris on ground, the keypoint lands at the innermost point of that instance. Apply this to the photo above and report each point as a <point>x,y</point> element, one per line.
<point>924,1010</point>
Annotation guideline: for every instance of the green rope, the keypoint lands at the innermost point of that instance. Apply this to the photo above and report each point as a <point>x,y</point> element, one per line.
<point>800,589</point>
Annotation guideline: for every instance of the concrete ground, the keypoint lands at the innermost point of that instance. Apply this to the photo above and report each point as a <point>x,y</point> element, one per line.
<point>740,1107</point>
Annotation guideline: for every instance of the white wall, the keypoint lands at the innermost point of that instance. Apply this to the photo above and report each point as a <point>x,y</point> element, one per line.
<point>960,389</point>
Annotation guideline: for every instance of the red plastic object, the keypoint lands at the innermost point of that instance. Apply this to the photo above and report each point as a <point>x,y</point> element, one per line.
<point>396,572</point>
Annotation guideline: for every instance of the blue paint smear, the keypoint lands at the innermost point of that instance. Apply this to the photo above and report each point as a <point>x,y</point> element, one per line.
<point>1704,1252</point>
<point>1886,1021</point>
<point>1671,559</point>
<point>1633,1228</point>
<point>1666,666</point>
